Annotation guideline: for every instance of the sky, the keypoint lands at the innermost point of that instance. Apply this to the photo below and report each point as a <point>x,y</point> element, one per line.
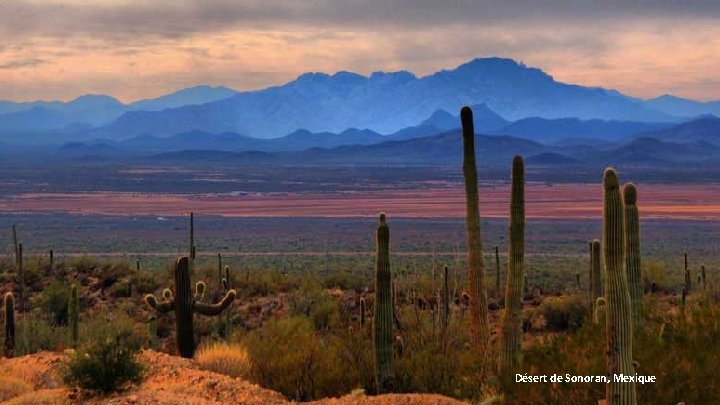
<point>133,49</point>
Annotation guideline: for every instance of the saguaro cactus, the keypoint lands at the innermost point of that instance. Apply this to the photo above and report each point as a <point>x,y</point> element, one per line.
<point>74,316</point>
<point>511,329</point>
<point>362,312</point>
<point>9,318</point>
<point>383,321</point>
<point>446,298</point>
<point>632,252</point>
<point>479,323</point>
<point>703,277</point>
<point>618,321</point>
<point>185,306</point>
<point>688,280</point>
<point>152,331</point>
<point>497,269</point>
<point>596,287</point>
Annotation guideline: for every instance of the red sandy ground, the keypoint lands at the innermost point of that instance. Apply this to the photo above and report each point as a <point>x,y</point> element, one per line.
<point>172,380</point>
<point>574,201</point>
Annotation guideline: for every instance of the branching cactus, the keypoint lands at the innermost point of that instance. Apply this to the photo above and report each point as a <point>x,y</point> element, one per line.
<point>632,252</point>
<point>479,323</point>
<point>596,287</point>
<point>185,306</point>
<point>9,320</point>
<point>74,316</point>
<point>511,329</point>
<point>618,319</point>
<point>383,321</point>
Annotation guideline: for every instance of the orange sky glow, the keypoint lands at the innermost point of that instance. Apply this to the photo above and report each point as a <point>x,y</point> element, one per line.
<point>61,49</point>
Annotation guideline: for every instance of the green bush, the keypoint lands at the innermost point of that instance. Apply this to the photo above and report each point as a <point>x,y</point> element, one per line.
<point>144,282</point>
<point>563,313</point>
<point>41,334</point>
<point>313,301</point>
<point>54,302</point>
<point>106,363</point>
<point>290,357</point>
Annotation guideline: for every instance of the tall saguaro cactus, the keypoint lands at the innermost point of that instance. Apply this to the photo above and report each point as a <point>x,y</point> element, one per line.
<point>479,323</point>
<point>618,319</point>
<point>9,320</point>
<point>596,286</point>
<point>383,321</point>
<point>632,252</point>
<point>497,269</point>
<point>185,306</point>
<point>511,329</point>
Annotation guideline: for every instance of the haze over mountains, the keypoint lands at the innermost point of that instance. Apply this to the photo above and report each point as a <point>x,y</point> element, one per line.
<point>383,116</point>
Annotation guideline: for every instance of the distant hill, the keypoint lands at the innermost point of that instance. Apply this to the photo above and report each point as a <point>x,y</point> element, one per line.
<point>191,96</point>
<point>551,130</point>
<point>442,149</point>
<point>705,129</point>
<point>388,102</point>
<point>485,119</point>
<point>683,107</point>
<point>652,151</point>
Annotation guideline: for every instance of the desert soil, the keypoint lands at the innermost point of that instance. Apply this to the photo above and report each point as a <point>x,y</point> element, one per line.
<point>171,380</point>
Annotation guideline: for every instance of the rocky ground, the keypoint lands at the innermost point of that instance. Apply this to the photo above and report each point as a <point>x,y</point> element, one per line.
<point>169,380</point>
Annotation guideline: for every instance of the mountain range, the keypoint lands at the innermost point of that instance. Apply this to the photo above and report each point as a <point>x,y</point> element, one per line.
<point>503,91</point>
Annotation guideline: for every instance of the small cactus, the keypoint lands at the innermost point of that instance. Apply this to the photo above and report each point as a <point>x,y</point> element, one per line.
<point>479,322</point>
<point>227,322</point>
<point>511,328</point>
<point>74,316</point>
<point>688,279</point>
<point>152,331</point>
<point>383,321</point>
<point>703,277</point>
<point>618,319</point>
<point>362,312</point>
<point>497,269</point>
<point>185,306</point>
<point>9,319</point>
<point>446,298</point>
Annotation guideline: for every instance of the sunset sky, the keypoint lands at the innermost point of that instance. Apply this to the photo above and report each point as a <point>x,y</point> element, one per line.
<point>131,49</point>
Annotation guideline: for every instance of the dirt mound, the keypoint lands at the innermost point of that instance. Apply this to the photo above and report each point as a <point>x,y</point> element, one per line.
<point>169,380</point>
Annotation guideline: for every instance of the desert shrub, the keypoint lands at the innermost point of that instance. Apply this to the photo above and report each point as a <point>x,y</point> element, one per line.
<point>119,290</point>
<point>106,363</point>
<point>653,272</point>
<point>230,359</point>
<point>681,352</point>
<point>11,387</point>
<point>563,313</point>
<point>144,282</point>
<point>83,264</point>
<point>313,301</point>
<point>54,302</point>
<point>40,335</point>
<point>290,357</point>
<point>110,272</point>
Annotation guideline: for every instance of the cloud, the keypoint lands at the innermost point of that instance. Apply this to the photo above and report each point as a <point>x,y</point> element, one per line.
<point>22,63</point>
<point>136,49</point>
<point>137,19</point>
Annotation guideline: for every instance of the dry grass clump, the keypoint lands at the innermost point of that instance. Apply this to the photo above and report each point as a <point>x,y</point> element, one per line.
<point>11,387</point>
<point>230,359</point>
<point>42,397</point>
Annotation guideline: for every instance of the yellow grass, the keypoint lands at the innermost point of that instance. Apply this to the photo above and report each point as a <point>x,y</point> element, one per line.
<point>11,387</point>
<point>230,359</point>
<point>42,397</point>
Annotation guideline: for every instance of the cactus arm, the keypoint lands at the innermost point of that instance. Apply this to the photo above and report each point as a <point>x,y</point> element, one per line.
<point>215,309</point>
<point>162,307</point>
